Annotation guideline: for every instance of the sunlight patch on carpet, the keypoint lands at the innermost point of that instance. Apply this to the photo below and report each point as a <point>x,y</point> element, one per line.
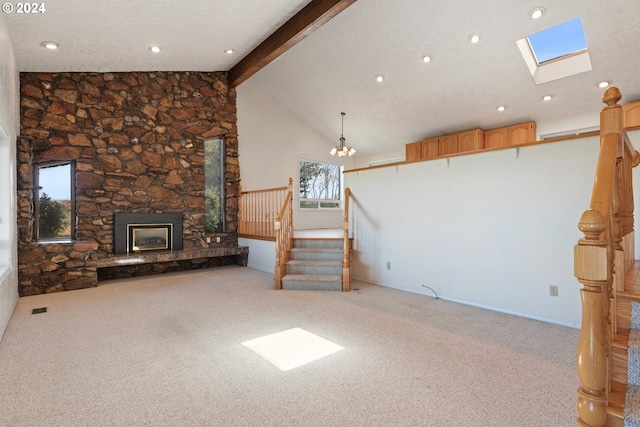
<point>292,348</point>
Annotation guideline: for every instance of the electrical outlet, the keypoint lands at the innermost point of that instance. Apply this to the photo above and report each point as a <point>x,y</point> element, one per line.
<point>208,239</point>
<point>388,265</point>
<point>553,290</point>
<point>218,239</point>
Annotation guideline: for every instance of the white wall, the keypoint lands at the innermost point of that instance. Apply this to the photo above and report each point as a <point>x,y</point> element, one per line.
<point>492,229</point>
<point>9,125</point>
<point>271,141</point>
<point>262,254</point>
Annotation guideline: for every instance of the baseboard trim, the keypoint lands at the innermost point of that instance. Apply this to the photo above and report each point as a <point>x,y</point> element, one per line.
<point>524,314</point>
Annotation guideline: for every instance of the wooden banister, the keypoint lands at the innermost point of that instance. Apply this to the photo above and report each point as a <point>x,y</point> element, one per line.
<point>601,259</point>
<point>257,211</point>
<point>346,247</point>
<point>283,227</point>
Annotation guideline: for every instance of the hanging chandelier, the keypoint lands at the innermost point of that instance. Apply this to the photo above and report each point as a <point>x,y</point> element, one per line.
<point>342,150</point>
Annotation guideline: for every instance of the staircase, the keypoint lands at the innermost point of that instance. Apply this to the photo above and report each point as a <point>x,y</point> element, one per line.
<point>315,264</point>
<point>619,350</point>
<point>624,398</point>
<point>604,264</point>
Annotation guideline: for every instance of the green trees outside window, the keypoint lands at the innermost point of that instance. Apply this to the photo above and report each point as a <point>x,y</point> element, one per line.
<point>320,185</point>
<point>213,188</point>
<point>54,201</point>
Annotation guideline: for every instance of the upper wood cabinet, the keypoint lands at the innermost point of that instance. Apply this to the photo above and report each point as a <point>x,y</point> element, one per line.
<point>521,133</point>
<point>631,114</point>
<point>448,144</point>
<point>509,136</point>
<point>495,138</point>
<point>412,152</point>
<point>471,140</point>
<point>429,148</point>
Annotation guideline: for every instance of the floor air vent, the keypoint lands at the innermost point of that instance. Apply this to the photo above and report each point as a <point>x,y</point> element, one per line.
<point>39,310</point>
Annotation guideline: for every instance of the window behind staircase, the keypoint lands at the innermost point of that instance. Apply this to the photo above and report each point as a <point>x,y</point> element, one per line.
<point>320,185</point>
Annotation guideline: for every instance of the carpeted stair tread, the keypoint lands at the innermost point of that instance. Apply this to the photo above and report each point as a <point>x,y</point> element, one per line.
<point>635,315</point>
<point>632,398</point>
<point>633,355</point>
<point>312,282</point>
<point>313,277</point>
<point>313,262</point>
<point>316,250</point>
<point>318,243</point>
<point>632,406</point>
<point>316,254</point>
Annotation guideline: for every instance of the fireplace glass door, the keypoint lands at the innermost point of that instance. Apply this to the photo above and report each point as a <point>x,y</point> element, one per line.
<point>149,237</point>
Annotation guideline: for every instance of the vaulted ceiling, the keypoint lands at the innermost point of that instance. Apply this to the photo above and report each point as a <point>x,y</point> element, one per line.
<point>332,70</point>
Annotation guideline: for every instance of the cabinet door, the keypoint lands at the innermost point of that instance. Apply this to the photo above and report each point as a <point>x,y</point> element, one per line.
<point>448,145</point>
<point>413,151</point>
<point>430,148</point>
<point>521,133</point>
<point>495,138</point>
<point>631,114</point>
<point>471,140</point>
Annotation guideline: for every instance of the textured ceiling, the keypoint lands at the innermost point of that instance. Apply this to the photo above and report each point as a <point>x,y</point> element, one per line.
<point>332,70</point>
<point>114,35</point>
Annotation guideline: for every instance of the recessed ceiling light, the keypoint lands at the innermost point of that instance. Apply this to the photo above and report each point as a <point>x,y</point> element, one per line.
<point>229,51</point>
<point>537,12</point>
<point>547,98</point>
<point>379,78</point>
<point>501,108</point>
<point>474,38</point>
<point>604,84</point>
<point>50,45</point>
<point>426,58</point>
<point>154,49</point>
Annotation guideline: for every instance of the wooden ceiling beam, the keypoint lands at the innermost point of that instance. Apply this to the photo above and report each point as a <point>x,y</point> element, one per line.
<point>310,18</point>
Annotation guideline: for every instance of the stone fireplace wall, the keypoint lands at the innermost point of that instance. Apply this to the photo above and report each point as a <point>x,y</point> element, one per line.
<point>137,139</point>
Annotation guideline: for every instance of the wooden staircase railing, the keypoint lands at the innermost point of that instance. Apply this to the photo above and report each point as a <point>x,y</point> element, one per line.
<point>284,234</point>
<point>268,215</point>
<point>601,260</point>
<point>346,247</point>
<point>257,211</point>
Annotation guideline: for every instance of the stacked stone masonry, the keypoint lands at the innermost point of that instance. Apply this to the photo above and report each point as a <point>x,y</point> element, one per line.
<point>138,142</point>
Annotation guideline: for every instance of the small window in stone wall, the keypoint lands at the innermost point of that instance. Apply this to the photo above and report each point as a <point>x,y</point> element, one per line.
<point>54,201</point>
<point>213,185</point>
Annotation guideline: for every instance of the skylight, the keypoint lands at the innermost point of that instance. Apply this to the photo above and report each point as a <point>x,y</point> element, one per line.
<point>557,52</point>
<point>559,41</point>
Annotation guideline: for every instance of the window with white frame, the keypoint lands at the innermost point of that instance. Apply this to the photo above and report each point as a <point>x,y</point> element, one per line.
<point>320,184</point>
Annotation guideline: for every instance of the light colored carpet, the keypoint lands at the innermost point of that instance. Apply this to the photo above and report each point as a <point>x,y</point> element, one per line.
<point>632,398</point>
<point>166,351</point>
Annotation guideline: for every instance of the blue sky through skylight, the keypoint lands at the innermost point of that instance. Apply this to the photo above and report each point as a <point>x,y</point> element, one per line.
<point>558,41</point>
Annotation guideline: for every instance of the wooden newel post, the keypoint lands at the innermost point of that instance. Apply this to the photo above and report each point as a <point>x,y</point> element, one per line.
<point>591,267</point>
<point>277,277</point>
<point>346,245</point>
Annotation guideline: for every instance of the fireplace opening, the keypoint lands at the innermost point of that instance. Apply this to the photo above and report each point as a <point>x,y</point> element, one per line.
<point>136,233</point>
<point>149,237</point>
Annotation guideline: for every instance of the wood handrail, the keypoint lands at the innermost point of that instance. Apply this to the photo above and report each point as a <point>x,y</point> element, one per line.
<point>602,193</point>
<point>346,245</point>
<point>265,190</point>
<point>285,206</point>
<point>601,259</point>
